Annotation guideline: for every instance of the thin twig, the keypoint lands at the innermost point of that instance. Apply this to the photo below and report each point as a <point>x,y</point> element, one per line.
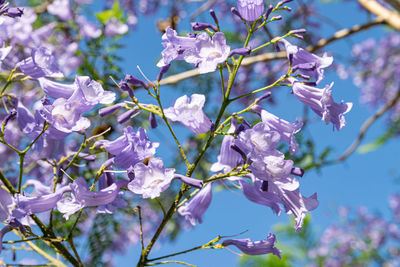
<point>392,18</point>
<point>364,128</point>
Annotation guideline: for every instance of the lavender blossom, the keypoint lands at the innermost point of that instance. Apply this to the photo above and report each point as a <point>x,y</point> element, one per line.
<point>151,179</point>
<point>81,197</point>
<point>87,29</point>
<point>227,158</point>
<point>174,47</point>
<point>106,180</point>
<point>55,89</point>
<point>194,210</point>
<point>42,203</point>
<point>270,165</point>
<point>61,9</point>
<point>115,27</point>
<point>207,53</point>
<point>250,10</point>
<point>321,102</point>
<point>6,202</point>
<point>189,112</point>
<point>258,140</point>
<point>286,129</point>
<point>306,62</point>
<point>41,64</point>
<point>131,148</point>
<point>64,118</point>
<point>248,247</point>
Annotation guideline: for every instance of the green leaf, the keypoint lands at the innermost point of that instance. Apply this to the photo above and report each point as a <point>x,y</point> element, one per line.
<point>114,12</point>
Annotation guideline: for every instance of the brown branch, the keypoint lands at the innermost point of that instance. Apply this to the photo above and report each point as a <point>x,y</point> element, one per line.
<point>364,128</point>
<point>173,79</point>
<point>391,18</point>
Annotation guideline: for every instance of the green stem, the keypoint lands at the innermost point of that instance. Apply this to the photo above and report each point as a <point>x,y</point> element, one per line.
<point>165,262</point>
<point>21,171</point>
<point>7,183</point>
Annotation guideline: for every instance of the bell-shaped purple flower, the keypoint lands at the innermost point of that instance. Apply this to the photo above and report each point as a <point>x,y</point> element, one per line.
<point>61,9</point>
<point>151,179</point>
<point>64,118</point>
<point>258,140</point>
<point>130,148</point>
<point>90,93</point>
<point>115,27</point>
<point>55,89</point>
<point>248,247</point>
<point>106,180</point>
<point>208,53</point>
<point>190,113</point>
<point>286,129</point>
<point>194,210</point>
<point>306,62</point>
<point>4,231</point>
<point>82,197</point>
<point>250,10</point>
<point>6,202</point>
<point>269,166</point>
<point>255,194</point>
<point>41,64</point>
<point>321,102</point>
<point>174,47</point>
<point>86,28</point>
<point>4,51</point>
<point>228,158</point>
<point>31,205</point>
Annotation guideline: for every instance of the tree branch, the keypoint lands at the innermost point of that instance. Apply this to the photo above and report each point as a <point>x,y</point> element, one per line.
<point>366,126</point>
<point>391,18</point>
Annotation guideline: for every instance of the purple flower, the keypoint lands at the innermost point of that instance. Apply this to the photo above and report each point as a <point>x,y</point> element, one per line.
<point>6,203</point>
<point>87,29</point>
<point>227,158</point>
<point>130,148</point>
<point>105,181</point>
<point>194,210</point>
<point>286,129</point>
<point>4,231</point>
<point>298,205</point>
<point>64,118</point>
<point>258,140</point>
<point>174,47</point>
<point>321,102</point>
<point>306,62</point>
<point>248,247</point>
<point>250,10</point>
<point>151,179</point>
<point>283,191</point>
<point>55,89</point>
<point>41,64</point>
<point>190,113</point>
<point>90,93</point>
<point>61,9</point>
<point>81,197</point>
<point>30,205</point>
<point>115,27</point>
<point>270,165</point>
<point>207,53</point>
<point>255,194</point>
<point>4,51</point>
